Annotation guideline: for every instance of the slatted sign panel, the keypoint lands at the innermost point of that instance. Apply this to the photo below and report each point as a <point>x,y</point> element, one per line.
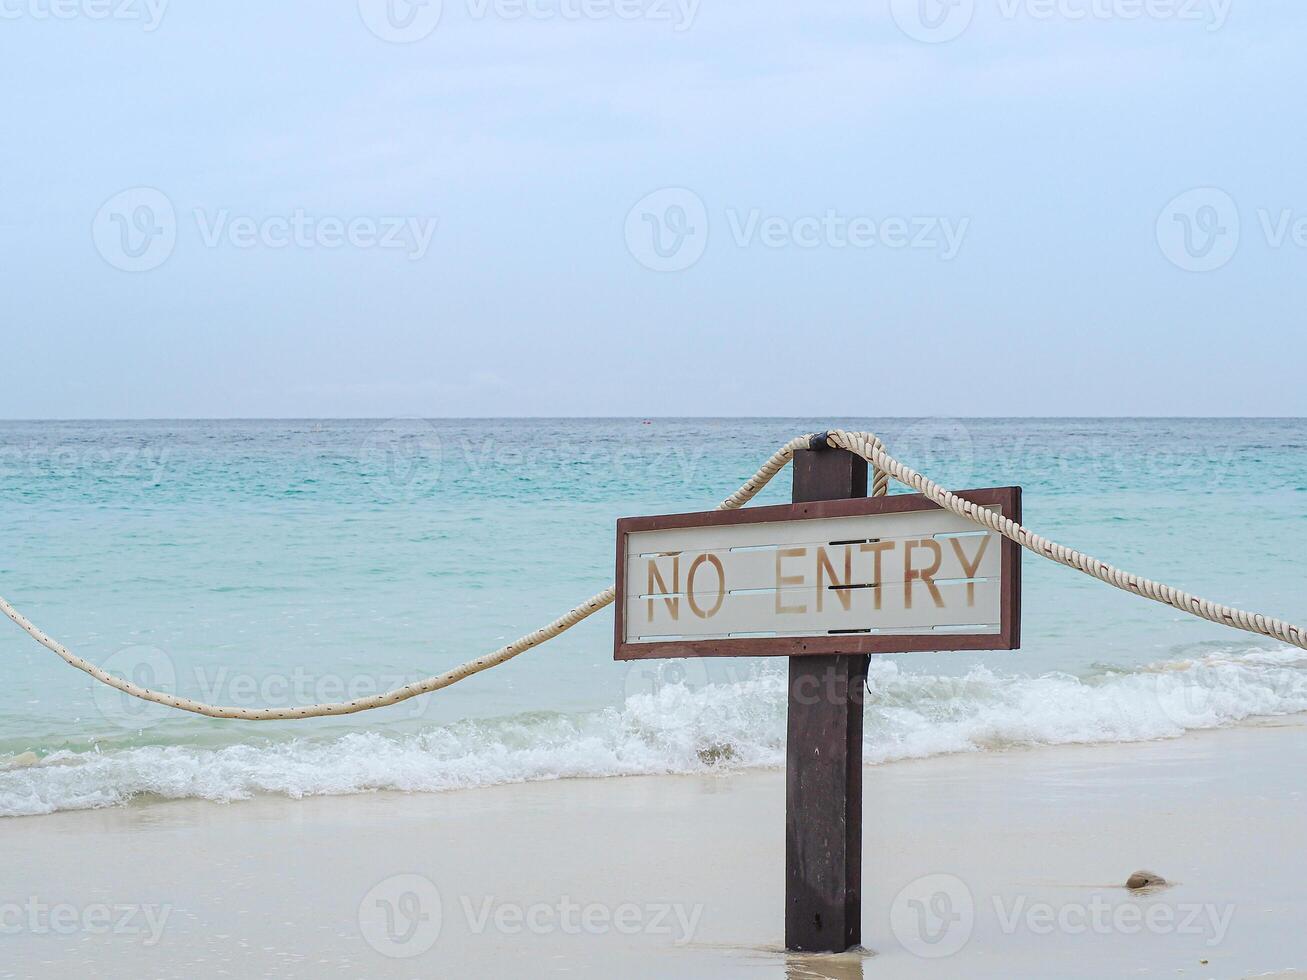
<point>882,574</point>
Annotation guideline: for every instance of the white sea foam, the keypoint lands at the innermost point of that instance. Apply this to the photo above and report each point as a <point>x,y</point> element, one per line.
<point>683,729</point>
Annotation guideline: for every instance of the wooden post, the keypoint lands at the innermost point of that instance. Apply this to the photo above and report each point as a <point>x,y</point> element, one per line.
<point>827,636</point>
<point>823,767</point>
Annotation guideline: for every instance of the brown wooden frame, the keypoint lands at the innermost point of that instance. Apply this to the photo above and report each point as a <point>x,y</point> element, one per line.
<point>1007,638</point>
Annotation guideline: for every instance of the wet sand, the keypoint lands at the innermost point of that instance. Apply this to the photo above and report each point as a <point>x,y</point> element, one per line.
<point>1006,864</point>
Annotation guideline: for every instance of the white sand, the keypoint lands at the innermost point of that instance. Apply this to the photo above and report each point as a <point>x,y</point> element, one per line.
<point>606,878</point>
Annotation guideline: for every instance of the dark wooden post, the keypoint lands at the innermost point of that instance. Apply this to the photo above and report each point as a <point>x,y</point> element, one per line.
<point>823,766</point>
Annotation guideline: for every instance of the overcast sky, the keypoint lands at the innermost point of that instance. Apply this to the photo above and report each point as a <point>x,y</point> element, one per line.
<point>652,207</point>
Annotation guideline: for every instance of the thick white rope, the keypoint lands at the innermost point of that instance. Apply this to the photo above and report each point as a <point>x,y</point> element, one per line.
<point>869,448</point>
<point>863,444</point>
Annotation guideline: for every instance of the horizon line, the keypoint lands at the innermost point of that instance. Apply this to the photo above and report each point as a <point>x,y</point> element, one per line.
<point>634,418</point>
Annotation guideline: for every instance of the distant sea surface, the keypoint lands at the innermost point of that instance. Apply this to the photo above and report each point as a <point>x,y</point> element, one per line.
<point>283,562</point>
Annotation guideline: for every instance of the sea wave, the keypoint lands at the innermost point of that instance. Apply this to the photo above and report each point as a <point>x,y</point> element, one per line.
<point>687,728</point>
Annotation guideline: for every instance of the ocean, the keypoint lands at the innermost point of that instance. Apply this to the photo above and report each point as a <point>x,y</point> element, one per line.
<point>284,562</point>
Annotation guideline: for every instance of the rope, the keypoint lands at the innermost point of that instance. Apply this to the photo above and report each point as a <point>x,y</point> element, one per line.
<point>862,444</point>
<point>869,448</point>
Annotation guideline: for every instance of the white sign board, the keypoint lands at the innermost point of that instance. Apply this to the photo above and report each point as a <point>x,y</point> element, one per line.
<point>865,575</point>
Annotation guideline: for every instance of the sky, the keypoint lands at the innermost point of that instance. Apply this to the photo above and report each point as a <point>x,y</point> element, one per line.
<point>377,208</point>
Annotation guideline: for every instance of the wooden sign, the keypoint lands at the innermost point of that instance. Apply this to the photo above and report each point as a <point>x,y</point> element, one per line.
<point>864,575</point>
<point>826,581</point>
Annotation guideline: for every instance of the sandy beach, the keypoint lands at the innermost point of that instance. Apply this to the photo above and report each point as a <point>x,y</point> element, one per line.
<point>1003,864</point>
<point>639,489</point>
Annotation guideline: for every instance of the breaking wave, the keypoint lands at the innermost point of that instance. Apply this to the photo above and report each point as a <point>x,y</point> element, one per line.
<point>685,728</point>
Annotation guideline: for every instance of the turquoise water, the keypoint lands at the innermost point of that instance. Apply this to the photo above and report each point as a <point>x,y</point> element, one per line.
<point>282,562</point>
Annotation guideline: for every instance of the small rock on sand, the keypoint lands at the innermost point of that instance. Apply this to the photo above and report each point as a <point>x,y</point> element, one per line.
<point>1144,879</point>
